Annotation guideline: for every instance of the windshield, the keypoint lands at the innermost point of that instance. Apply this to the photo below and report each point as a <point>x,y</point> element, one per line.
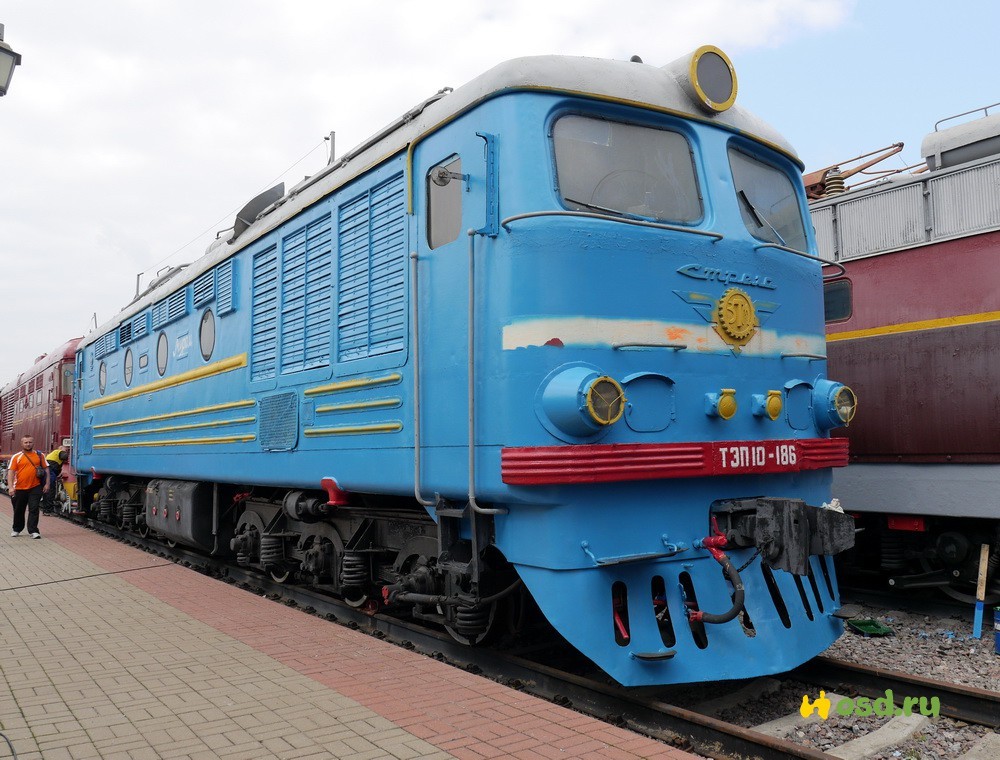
<point>625,169</point>
<point>768,203</point>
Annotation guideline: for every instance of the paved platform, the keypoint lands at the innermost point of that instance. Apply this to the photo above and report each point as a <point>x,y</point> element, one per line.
<point>108,652</point>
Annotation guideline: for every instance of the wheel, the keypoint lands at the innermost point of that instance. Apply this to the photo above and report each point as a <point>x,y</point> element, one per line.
<point>171,543</point>
<point>143,530</point>
<point>955,589</point>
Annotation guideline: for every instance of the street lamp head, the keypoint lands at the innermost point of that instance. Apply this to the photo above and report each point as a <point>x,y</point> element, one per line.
<point>8,60</point>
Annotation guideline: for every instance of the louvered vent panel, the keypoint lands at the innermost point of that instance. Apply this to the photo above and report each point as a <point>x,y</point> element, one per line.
<point>106,344</point>
<point>293,298</point>
<point>225,283</point>
<point>125,333</point>
<point>881,222</point>
<point>306,283</point>
<point>176,305</point>
<point>204,288</point>
<point>140,325</point>
<point>826,239</point>
<point>966,201</point>
<point>159,311</point>
<point>279,422</point>
<point>264,322</point>
<point>371,306</point>
<point>319,299</point>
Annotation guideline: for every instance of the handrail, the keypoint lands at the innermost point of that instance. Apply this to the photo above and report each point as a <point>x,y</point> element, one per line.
<point>824,262</point>
<point>415,346</point>
<point>984,109</point>
<point>472,382</point>
<point>820,357</point>
<point>675,346</point>
<point>591,215</point>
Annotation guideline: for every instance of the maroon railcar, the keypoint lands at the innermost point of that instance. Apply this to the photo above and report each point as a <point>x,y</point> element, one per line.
<point>913,326</point>
<point>39,403</point>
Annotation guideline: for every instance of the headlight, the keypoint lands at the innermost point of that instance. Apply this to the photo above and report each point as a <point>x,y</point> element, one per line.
<point>834,404</point>
<point>580,402</point>
<point>605,401</point>
<point>846,404</point>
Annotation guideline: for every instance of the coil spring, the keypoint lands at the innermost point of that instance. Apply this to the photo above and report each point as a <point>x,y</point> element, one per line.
<point>892,552</point>
<point>242,559</point>
<point>354,571</point>
<point>471,621</point>
<point>128,514</point>
<point>272,550</point>
<point>105,509</point>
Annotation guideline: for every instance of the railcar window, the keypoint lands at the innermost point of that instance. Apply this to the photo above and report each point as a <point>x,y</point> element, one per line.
<point>102,377</point>
<point>444,203</point>
<point>161,353</point>
<point>67,381</point>
<point>616,168</point>
<point>143,360</point>
<point>127,367</point>
<point>838,301</point>
<point>206,334</point>
<point>767,200</point>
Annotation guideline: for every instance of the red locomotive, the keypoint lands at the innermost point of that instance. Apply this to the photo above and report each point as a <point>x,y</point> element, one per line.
<point>39,403</point>
<point>912,326</point>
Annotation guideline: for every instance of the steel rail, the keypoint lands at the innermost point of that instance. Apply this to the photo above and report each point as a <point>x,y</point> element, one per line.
<point>966,703</point>
<point>637,710</point>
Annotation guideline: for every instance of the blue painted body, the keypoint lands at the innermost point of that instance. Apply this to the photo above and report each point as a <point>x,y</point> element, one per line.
<point>325,299</point>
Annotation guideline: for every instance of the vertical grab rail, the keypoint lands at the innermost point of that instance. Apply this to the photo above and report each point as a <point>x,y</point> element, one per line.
<point>414,311</point>
<point>472,382</point>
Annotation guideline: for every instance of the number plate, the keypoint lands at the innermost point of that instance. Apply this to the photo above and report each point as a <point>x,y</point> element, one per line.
<point>758,456</point>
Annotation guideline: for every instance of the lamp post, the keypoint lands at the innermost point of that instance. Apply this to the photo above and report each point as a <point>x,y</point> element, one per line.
<point>8,60</point>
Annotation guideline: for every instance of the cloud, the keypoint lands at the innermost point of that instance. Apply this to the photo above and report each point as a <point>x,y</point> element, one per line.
<point>134,131</point>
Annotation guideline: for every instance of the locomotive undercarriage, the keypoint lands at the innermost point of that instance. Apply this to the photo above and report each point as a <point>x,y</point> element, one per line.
<point>943,555</point>
<point>375,552</point>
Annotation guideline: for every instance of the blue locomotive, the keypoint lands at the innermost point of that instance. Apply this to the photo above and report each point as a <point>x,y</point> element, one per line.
<point>555,337</point>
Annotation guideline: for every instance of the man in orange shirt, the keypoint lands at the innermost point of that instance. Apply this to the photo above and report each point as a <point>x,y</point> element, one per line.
<point>27,480</point>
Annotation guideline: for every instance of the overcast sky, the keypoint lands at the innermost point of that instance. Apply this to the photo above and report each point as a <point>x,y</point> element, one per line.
<point>134,131</point>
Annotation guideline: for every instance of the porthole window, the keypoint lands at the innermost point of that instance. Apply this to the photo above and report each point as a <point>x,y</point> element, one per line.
<point>128,367</point>
<point>206,334</point>
<point>161,353</point>
<point>102,377</point>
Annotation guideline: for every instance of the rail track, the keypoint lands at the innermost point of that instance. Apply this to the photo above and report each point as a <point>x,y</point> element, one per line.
<point>651,712</point>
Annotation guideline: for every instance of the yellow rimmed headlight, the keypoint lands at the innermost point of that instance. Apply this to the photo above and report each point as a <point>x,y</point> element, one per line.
<point>605,400</point>
<point>845,403</point>
<point>580,402</point>
<point>834,404</point>
<point>708,77</point>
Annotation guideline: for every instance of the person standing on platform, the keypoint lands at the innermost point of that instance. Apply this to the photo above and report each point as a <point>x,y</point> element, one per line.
<point>55,461</point>
<point>27,480</point>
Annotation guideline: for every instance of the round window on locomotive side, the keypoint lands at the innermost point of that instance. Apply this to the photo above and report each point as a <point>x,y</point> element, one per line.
<point>161,354</point>
<point>127,367</point>
<point>206,334</point>
<point>102,377</point>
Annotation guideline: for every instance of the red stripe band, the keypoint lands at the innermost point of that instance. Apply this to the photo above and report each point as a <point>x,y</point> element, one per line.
<point>545,465</point>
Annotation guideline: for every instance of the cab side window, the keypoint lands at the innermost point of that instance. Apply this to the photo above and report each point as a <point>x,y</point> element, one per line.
<point>837,300</point>
<point>444,202</point>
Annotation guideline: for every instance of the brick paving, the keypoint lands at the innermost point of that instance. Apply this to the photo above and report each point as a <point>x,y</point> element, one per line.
<point>108,652</point>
